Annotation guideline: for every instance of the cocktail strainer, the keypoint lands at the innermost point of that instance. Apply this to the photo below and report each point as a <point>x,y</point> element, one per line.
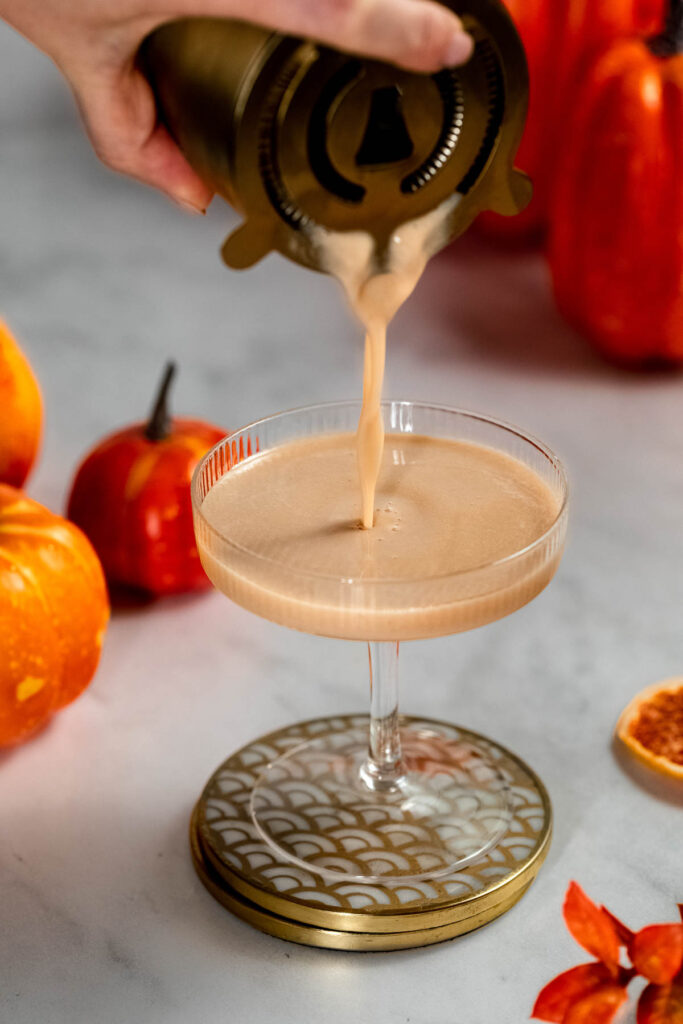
<point>294,134</point>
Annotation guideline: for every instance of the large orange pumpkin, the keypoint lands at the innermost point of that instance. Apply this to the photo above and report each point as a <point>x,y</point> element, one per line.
<point>53,614</point>
<point>616,246</point>
<point>560,36</point>
<point>21,412</point>
<point>536,24</point>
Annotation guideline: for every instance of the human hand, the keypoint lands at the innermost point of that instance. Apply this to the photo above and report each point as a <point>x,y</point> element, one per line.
<point>95,42</point>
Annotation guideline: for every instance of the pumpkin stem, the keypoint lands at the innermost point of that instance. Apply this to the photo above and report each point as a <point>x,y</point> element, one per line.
<point>670,41</point>
<point>159,423</point>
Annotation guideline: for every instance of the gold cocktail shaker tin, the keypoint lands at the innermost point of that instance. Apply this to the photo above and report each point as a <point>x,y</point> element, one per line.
<point>294,134</point>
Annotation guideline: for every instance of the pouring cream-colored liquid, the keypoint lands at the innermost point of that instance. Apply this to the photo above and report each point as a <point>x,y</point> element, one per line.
<point>443,507</point>
<point>305,552</point>
<point>375,297</point>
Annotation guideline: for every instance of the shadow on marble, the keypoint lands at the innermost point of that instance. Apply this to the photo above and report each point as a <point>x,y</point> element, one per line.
<point>7,753</point>
<point>659,786</point>
<point>114,925</point>
<point>131,600</point>
<point>517,322</point>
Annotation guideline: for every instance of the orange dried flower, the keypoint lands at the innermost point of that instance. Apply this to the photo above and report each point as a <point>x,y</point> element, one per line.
<point>593,993</point>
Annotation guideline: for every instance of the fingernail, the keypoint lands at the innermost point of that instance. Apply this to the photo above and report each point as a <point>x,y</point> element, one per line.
<point>459,49</point>
<point>190,207</point>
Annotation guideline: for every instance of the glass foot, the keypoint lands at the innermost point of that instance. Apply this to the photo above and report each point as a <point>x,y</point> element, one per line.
<point>449,806</point>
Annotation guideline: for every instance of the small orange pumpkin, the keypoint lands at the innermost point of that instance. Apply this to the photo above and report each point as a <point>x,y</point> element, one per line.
<point>616,244</point>
<point>53,614</point>
<point>131,497</point>
<point>21,412</point>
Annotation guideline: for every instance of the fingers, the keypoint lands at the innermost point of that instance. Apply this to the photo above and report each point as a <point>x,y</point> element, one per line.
<point>121,118</point>
<point>420,35</point>
<point>417,34</point>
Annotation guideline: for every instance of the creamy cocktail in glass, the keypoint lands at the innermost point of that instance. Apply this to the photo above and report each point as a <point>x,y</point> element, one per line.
<point>469,525</point>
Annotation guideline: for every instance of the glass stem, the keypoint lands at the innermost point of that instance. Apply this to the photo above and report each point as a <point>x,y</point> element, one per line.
<point>383,767</point>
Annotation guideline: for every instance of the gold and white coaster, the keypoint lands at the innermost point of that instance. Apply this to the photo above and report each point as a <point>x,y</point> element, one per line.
<point>246,875</point>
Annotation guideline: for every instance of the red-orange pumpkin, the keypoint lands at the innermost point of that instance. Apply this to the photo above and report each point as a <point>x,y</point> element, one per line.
<point>536,24</point>
<point>131,496</point>
<point>560,36</point>
<point>53,614</point>
<point>616,246</point>
<point>21,412</point>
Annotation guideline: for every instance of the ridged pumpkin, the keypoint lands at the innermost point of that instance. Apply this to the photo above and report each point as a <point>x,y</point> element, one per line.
<point>53,614</point>
<point>616,246</point>
<point>131,496</point>
<point>560,36</point>
<point>21,412</point>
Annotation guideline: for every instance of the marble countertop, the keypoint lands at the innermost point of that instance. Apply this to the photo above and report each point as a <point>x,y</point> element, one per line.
<point>103,920</point>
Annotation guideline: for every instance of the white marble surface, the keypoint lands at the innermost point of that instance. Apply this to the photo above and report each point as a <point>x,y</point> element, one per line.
<point>102,919</point>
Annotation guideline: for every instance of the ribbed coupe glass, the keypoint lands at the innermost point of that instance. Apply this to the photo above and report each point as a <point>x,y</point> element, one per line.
<point>444,800</point>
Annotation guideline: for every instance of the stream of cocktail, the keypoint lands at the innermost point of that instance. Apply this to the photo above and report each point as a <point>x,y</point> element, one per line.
<point>375,296</point>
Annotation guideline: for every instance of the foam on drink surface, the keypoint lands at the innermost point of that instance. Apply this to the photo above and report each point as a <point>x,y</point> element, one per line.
<point>443,508</point>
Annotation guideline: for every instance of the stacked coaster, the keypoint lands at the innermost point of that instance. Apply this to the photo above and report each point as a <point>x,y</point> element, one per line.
<point>241,870</point>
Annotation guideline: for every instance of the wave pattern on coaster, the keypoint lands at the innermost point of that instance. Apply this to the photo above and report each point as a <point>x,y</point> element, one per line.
<point>355,838</point>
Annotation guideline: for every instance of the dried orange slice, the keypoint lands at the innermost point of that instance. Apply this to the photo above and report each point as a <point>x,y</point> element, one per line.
<point>651,727</point>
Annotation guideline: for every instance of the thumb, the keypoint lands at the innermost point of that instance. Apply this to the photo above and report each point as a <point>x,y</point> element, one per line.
<point>421,35</point>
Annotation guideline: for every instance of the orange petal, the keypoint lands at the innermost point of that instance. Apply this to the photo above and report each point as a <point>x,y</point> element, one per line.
<point>657,952</point>
<point>591,927</point>
<point>562,992</point>
<point>661,1004</point>
<point>600,1007</point>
